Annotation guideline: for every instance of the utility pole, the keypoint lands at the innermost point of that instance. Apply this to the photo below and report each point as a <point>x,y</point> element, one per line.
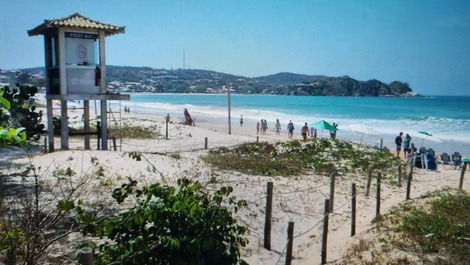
<point>229,121</point>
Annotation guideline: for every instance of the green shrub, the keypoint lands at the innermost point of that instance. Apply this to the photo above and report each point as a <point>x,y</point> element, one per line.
<point>446,224</point>
<point>171,225</point>
<point>22,110</point>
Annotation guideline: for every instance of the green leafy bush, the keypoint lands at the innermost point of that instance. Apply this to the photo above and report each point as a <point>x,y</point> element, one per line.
<point>22,111</point>
<point>9,136</point>
<point>171,225</point>
<point>12,136</point>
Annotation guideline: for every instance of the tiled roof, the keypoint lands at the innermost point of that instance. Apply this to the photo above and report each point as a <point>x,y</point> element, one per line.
<point>75,21</point>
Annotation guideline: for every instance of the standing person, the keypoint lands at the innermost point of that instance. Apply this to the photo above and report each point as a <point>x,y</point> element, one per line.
<point>406,145</point>
<point>305,132</point>
<point>257,128</point>
<point>398,142</point>
<point>265,126</point>
<point>334,132</point>
<point>278,127</point>
<point>290,129</point>
<point>241,120</point>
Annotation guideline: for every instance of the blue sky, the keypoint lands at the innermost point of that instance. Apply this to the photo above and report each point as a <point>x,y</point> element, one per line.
<point>425,43</point>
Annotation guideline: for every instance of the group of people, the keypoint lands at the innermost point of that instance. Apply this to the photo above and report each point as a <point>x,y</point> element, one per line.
<point>261,126</point>
<point>127,109</point>
<point>406,144</point>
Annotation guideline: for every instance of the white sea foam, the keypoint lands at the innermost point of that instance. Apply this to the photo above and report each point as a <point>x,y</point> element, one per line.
<point>443,129</point>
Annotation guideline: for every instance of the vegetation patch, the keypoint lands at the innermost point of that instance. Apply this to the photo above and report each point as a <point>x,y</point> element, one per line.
<point>170,225</point>
<point>135,132</point>
<point>432,231</point>
<point>324,156</point>
<point>443,225</point>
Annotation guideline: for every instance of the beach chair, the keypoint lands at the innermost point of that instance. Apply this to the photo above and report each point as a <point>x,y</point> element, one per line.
<point>457,160</point>
<point>445,159</point>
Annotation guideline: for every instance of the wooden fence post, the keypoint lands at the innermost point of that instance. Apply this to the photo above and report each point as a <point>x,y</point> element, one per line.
<point>206,143</point>
<point>325,232</point>
<point>377,208</point>
<point>85,256</point>
<point>381,143</point>
<point>45,143</point>
<point>332,191</point>
<point>410,177</point>
<point>167,120</point>
<point>290,242</point>
<point>399,175</point>
<point>369,179</point>
<point>462,173</point>
<point>114,144</point>
<point>353,210</point>
<point>257,139</point>
<point>268,216</point>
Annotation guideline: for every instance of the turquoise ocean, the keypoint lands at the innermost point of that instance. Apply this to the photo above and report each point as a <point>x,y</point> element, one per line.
<point>360,118</point>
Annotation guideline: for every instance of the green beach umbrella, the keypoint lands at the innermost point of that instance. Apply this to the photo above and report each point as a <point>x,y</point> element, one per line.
<point>425,133</point>
<point>426,136</point>
<point>323,125</point>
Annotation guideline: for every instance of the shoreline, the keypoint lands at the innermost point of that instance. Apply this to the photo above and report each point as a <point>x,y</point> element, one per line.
<point>216,122</point>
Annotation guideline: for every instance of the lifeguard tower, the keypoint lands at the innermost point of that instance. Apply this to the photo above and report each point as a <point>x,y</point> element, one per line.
<point>75,69</point>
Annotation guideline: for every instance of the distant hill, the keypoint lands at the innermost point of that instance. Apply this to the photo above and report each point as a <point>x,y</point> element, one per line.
<point>147,79</point>
<point>287,79</point>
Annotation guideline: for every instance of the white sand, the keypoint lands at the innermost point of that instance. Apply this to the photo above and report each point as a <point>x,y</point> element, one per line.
<point>299,199</point>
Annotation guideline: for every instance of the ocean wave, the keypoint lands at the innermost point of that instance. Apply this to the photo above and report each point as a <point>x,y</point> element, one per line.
<point>442,128</point>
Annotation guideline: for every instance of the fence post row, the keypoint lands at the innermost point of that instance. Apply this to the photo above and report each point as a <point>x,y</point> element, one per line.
<point>268,216</point>
<point>290,243</point>
<point>325,232</point>
<point>353,210</point>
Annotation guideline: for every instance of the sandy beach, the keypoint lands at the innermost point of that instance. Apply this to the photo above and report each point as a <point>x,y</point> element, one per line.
<point>299,199</point>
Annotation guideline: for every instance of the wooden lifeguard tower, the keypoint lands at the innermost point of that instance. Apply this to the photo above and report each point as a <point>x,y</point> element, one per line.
<point>75,69</point>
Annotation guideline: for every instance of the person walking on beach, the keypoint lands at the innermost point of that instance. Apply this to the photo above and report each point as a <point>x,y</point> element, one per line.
<point>241,120</point>
<point>305,132</point>
<point>278,127</point>
<point>333,132</point>
<point>398,142</point>
<point>257,128</point>
<point>264,126</point>
<point>290,129</point>
<point>406,145</point>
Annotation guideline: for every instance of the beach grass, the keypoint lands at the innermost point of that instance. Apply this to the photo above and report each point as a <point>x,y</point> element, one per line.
<point>324,156</point>
<point>434,229</point>
<point>135,132</point>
